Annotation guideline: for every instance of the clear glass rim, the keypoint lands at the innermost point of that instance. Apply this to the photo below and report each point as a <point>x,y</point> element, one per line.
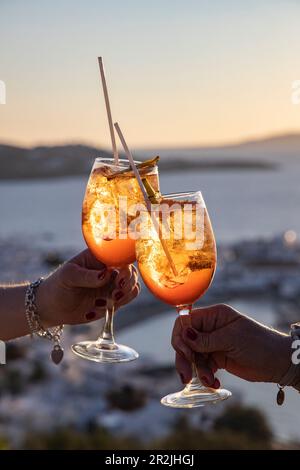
<point>123,162</point>
<point>182,195</point>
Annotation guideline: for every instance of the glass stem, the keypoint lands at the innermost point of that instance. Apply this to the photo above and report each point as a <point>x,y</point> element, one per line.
<point>184,312</point>
<point>195,383</point>
<point>107,335</point>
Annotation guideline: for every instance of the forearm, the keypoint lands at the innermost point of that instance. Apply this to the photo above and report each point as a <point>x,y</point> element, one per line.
<point>13,322</point>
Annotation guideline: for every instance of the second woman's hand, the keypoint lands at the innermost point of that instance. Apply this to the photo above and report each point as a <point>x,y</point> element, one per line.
<point>222,338</point>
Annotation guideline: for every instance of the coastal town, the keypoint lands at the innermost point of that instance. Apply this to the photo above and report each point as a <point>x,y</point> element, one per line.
<point>89,394</point>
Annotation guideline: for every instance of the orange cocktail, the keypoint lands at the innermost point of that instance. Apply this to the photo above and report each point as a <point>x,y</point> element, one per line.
<point>195,266</point>
<point>108,209</point>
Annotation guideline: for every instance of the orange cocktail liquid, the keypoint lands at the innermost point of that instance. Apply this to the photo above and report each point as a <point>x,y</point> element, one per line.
<point>101,230</point>
<point>186,293</point>
<point>195,266</point>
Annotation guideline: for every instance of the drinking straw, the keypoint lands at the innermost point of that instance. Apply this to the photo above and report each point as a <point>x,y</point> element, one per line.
<point>132,164</point>
<point>145,195</point>
<point>109,117</point>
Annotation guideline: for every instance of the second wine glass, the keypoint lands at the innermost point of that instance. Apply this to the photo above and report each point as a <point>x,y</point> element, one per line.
<point>188,236</point>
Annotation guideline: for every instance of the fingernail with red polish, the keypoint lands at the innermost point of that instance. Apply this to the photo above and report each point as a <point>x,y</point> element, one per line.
<point>119,295</point>
<point>113,275</point>
<point>216,384</point>
<point>191,334</point>
<point>90,315</point>
<point>100,302</point>
<point>122,283</point>
<point>102,274</point>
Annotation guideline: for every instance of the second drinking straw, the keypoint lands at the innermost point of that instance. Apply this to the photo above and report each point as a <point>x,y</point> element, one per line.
<point>147,201</point>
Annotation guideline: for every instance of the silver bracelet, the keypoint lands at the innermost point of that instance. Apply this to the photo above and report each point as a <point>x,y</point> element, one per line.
<point>35,325</point>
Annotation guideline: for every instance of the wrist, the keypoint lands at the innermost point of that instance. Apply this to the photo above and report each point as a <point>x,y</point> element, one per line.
<point>292,376</point>
<point>44,305</point>
<point>41,326</point>
<point>284,359</point>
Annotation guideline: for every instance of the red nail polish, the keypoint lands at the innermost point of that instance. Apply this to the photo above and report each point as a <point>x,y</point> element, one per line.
<point>113,275</point>
<point>102,274</point>
<point>119,295</point>
<point>191,334</point>
<point>122,283</point>
<point>100,302</point>
<point>90,315</point>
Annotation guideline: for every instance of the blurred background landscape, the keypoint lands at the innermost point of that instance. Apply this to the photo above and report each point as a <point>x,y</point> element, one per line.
<point>208,89</point>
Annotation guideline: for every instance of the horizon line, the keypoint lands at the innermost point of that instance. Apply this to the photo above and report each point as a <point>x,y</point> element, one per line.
<point>230,143</point>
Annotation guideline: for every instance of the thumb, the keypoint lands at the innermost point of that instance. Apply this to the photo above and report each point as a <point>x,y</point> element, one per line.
<point>74,275</point>
<point>204,342</point>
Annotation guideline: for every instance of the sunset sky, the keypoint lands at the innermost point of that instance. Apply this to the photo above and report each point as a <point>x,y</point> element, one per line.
<point>180,72</point>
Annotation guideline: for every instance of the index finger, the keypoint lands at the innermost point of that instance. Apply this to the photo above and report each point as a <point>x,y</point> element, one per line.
<point>208,319</point>
<point>87,260</point>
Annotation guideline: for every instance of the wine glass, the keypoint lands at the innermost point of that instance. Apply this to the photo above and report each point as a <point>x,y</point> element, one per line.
<point>112,191</point>
<point>187,234</point>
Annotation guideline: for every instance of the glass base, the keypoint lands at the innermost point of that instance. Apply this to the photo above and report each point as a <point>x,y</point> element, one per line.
<point>106,353</point>
<point>196,397</point>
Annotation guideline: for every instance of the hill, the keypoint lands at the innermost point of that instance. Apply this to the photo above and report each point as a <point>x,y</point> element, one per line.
<point>71,160</point>
<point>276,149</point>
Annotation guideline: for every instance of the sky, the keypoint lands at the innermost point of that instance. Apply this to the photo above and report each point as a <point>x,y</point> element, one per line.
<point>180,72</point>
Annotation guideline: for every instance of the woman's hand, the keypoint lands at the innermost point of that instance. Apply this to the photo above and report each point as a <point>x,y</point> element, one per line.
<point>79,290</point>
<point>222,338</point>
